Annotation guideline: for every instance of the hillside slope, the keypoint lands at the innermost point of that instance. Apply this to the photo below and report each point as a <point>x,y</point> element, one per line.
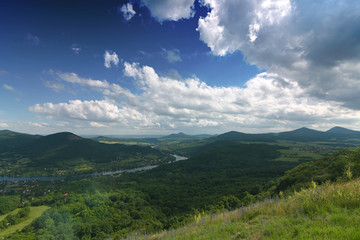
<point>69,153</point>
<point>300,135</point>
<point>326,168</point>
<point>11,141</point>
<point>220,169</point>
<point>325,212</point>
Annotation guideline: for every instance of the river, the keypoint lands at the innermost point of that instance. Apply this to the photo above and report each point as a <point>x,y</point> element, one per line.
<point>105,173</point>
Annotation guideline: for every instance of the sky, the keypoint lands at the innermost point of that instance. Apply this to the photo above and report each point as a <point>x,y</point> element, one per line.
<point>142,67</point>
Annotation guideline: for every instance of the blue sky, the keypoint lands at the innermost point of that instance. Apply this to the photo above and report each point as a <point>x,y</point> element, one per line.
<point>157,67</point>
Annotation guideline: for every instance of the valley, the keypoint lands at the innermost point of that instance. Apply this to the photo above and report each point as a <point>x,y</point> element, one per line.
<point>140,189</point>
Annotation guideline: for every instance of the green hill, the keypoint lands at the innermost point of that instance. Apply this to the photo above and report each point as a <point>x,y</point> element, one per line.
<point>318,203</point>
<point>239,136</point>
<point>326,168</point>
<point>305,134</point>
<point>341,130</point>
<point>66,152</point>
<point>326,212</point>
<point>12,141</point>
<point>300,135</point>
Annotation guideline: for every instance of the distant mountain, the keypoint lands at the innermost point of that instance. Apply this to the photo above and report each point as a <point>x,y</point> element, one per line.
<point>56,140</point>
<point>182,135</point>
<point>344,131</point>
<point>11,141</point>
<point>302,134</point>
<point>239,136</point>
<point>67,151</point>
<point>178,135</point>
<point>203,135</point>
<point>305,134</point>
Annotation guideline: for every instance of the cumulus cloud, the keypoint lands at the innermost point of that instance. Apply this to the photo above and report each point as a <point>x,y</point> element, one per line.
<point>110,58</point>
<point>127,11</point>
<point>93,111</point>
<point>4,125</point>
<point>268,101</point>
<point>36,124</point>
<point>172,55</point>
<point>170,10</point>
<point>312,43</point>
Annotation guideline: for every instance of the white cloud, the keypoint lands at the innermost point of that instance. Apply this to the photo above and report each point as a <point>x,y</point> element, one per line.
<point>170,10</point>
<point>128,11</point>
<point>98,125</point>
<point>231,25</point>
<point>172,55</point>
<point>110,58</point>
<point>74,78</point>
<point>312,43</point>
<point>9,88</point>
<point>94,110</point>
<point>57,87</point>
<point>36,124</point>
<point>76,50</point>
<point>268,101</point>
<point>4,125</point>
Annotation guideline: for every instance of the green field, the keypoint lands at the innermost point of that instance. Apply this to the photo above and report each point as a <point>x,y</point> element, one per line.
<point>35,212</point>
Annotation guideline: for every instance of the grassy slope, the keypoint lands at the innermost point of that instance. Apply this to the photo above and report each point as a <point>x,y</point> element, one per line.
<point>35,212</point>
<point>323,169</point>
<point>2,217</point>
<point>330,211</point>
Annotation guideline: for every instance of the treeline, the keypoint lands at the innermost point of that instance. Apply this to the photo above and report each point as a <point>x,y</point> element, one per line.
<point>93,215</point>
<point>12,219</point>
<point>9,203</point>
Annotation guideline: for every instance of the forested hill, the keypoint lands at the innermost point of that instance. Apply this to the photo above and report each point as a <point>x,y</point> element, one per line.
<point>330,168</point>
<point>66,152</point>
<point>11,141</point>
<point>321,201</point>
<point>302,135</point>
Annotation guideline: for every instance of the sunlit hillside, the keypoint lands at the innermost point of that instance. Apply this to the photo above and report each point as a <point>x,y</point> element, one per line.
<point>330,211</point>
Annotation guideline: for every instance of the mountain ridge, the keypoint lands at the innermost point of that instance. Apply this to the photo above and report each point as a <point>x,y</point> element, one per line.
<point>300,134</point>
<point>65,150</point>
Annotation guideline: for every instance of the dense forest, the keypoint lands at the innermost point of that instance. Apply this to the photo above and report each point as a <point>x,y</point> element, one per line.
<point>221,174</point>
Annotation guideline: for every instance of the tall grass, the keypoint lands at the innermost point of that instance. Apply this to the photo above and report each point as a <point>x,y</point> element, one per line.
<point>329,211</point>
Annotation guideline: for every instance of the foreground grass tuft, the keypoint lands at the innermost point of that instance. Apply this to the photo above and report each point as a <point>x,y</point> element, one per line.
<point>330,211</point>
